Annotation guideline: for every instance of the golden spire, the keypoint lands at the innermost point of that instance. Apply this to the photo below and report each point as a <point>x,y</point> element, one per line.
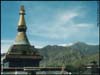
<point>21,37</point>
<point>21,19</point>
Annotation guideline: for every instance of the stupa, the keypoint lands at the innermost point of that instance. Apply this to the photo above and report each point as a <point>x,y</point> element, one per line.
<point>21,53</point>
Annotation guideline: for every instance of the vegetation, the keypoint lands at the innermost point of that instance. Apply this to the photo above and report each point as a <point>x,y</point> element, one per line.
<point>76,55</point>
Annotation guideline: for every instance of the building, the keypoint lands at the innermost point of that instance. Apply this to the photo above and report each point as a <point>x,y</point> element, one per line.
<point>21,53</point>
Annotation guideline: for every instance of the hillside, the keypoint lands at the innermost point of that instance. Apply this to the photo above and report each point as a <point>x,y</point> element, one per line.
<point>76,54</point>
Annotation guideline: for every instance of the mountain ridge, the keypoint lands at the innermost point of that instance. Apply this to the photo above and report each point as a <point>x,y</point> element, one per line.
<point>55,55</point>
<point>76,54</point>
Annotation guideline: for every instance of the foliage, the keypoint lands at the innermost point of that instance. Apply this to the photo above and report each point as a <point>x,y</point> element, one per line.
<point>75,55</point>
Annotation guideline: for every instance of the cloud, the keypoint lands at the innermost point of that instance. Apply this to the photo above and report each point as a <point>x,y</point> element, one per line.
<point>4,48</point>
<point>62,26</point>
<point>38,44</point>
<point>5,44</point>
<point>6,41</point>
<point>84,25</point>
<point>66,16</point>
<point>66,44</point>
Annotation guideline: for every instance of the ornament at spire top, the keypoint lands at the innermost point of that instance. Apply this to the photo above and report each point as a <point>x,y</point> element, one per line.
<point>22,11</point>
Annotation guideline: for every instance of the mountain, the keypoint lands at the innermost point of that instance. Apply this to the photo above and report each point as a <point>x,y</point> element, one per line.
<point>76,54</point>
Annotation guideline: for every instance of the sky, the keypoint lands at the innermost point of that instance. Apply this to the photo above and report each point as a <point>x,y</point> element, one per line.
<point>50,22</point>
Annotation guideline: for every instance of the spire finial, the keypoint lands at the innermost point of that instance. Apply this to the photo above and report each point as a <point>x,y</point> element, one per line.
<point>21,19</point>
<point>22,7</point>
<point>22,11</point>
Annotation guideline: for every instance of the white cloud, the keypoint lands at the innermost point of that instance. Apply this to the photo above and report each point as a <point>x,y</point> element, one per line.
<point>84,25</point>
<point>5,44</point>
<point>4,48</point>
<point>38,44</point>
<point>6,41</point>
<point>66,16</point>
<point>66,44</point>
<point>60,27</point>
